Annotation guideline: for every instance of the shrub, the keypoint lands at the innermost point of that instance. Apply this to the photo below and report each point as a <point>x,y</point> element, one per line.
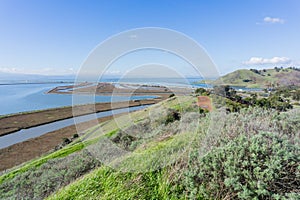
<point>263,166</point>
<point>124,140</point>
<point>39,182</point>
<point>172,116</point>
<point>202,91</point>
<point>66,141</point>
<point>296,95</point>
<point>224,91</point>
<point>203,111</point>
<point>172,95</point>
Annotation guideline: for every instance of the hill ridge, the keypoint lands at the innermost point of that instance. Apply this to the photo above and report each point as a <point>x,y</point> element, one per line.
<point>265,78</point>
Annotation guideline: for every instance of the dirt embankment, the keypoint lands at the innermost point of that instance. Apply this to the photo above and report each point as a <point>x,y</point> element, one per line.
<point>109,89</point>
<point>121,89</point>
<point>17,122</point>
<point>35,147</point>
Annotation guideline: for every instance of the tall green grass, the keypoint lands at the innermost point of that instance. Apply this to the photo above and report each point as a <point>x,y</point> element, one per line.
<point>105,183</point>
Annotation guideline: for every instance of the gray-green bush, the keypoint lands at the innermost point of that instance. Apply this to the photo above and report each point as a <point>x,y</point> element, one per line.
<point>263,166</point>
<point>250,154</point>
<point>38,183</point>
<point>246,155</point>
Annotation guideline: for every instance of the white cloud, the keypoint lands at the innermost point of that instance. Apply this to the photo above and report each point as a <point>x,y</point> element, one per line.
<point>273,20</point>
<point>264,61</point>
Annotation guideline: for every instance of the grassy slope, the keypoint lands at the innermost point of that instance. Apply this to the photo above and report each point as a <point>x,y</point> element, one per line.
<point>142,183</point>
<point>109,184</point>
<point>153,150</point>
<point>74,147</point>
<point>126,181</point>
<point>270,76</point>
<point>106,183</point>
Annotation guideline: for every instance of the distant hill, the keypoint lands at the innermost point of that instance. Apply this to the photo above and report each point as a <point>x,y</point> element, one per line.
<point>254,78</point>
<point>24,78</point>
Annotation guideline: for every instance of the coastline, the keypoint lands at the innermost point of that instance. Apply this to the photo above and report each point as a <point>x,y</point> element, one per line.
<point>16,122</point>
<point>129,89</point>
<point>24,151</point>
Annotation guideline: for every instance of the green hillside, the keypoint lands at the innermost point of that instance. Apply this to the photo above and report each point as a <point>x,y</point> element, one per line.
<point>170,151</point>
<point>261,78</point>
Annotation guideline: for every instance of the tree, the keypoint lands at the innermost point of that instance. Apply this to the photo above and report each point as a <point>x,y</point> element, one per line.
<point>224,91</point>
<point>202,91</point>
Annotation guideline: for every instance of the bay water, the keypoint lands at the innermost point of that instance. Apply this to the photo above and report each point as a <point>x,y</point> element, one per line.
<point>15,98</point>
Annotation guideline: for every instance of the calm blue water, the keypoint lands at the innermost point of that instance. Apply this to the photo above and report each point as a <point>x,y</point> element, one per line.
<point>185,82</point>
<point>33,132</point>
<point>16,98</point>
<point>29,97</point>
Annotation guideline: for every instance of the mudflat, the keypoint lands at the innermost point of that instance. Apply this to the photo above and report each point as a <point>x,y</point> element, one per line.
<point>21,152</point>
<point>24,151</point>
<point>12,123</point>
<point>16,122</point>
<point>33,148</point>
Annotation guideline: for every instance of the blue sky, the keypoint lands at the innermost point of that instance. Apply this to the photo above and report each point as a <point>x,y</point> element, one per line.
<point>56,36</point>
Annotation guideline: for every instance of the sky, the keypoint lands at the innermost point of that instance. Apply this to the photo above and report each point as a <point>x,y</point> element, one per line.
<point>54,37</point>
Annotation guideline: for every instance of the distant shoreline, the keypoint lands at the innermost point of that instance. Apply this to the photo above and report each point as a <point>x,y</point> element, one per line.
<point>28,149</point>
<point>24,151</point>
<point>35,83</point>
<point>106,88</point>
<point>15,122</point>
